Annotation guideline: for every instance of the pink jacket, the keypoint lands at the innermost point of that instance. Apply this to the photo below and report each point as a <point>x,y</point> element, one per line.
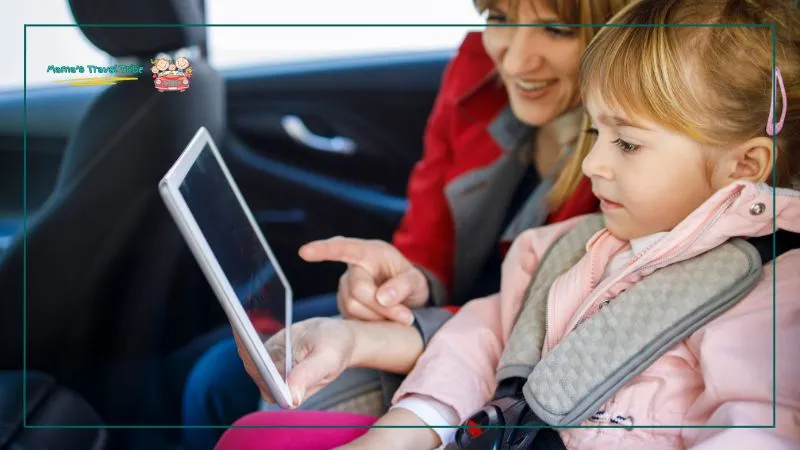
<point>721,375</point>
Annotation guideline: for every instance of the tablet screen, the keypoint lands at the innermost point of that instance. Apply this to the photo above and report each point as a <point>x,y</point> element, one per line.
<point>244,261</point>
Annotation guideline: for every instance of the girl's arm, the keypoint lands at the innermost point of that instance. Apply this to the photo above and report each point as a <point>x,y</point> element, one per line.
<point>386,346</point>
<point>735,354</point>
<point>419,438</point>
<point>457,369</point>
<point>458,366</point>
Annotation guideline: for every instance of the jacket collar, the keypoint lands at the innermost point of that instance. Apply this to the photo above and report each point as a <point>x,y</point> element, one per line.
<point>742,209</point>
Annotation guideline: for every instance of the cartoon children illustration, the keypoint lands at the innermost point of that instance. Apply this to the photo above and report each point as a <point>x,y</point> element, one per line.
<point>182,64</point>
<point>162,63</point>
<point>169,75</point>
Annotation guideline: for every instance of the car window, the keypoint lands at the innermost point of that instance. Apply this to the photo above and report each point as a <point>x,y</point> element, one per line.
<point>57,46</point>
<point>240,46</point>
<point>244,46</point>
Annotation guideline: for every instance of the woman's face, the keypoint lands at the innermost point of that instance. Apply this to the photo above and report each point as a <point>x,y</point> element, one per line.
<point>539,65</point>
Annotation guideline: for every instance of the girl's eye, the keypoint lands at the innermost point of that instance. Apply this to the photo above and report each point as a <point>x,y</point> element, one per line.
<point>626,147</point>
<point>591,130</point>
<point>560,31</point>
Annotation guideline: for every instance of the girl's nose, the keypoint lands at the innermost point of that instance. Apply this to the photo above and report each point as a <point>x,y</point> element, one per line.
<point>596,164</point>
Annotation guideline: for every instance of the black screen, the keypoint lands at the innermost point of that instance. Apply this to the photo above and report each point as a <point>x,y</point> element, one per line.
<point>243,259</point>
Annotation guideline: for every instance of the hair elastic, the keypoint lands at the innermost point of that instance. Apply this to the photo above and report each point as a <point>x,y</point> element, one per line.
<point>779,124</point>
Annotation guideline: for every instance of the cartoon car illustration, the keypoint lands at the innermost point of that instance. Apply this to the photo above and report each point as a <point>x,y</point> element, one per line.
<point>171,83</point>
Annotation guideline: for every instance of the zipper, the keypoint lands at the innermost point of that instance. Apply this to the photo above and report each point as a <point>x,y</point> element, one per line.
<point>585,282</point>
<point>547,318</point>
<point>667,258</point>
<point>708,225</point>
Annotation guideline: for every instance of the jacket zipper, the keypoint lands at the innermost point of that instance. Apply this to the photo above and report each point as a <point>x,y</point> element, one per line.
<point>587,281</point>
<point>664,259</point>
<point>709,224</point>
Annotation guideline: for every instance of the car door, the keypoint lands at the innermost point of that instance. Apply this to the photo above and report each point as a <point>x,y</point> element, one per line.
<point>325,148</point>
<point>285,121</point>
<point>320,144</point>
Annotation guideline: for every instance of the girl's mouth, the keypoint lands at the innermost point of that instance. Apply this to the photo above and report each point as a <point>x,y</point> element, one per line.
<point>606,204</point>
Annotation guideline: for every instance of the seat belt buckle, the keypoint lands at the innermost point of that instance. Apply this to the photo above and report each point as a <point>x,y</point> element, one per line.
<point>506,423</point>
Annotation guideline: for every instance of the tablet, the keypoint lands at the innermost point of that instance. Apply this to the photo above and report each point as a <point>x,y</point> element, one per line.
<point>232,252</point>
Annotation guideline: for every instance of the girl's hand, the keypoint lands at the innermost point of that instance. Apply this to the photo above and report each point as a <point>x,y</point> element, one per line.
<point>322,348</point>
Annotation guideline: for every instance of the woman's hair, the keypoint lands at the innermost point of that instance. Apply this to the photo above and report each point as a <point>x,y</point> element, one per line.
<point>587,12</point>
<point>711,83</point>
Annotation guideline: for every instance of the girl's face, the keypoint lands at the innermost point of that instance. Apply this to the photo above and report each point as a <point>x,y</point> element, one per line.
<point>539,65</point>
<point>648,179</point>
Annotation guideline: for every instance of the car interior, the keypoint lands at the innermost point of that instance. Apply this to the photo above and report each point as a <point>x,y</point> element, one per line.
<point>100,294</point>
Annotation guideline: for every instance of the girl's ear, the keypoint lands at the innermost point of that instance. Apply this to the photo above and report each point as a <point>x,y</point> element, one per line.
<point>750,161</point>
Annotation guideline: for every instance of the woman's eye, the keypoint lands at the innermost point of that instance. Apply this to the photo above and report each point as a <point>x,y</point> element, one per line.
<point>626,147</point>
<point>496,17</point>
<point>591,131</point>
<point>560,31</point>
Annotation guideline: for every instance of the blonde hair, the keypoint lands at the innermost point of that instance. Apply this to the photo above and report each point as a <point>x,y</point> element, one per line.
<point>585,12</point>
<point>711,83</point>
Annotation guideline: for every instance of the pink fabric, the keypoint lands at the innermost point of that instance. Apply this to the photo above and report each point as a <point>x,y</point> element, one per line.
<point>341,428</point>
<point>721,375</point>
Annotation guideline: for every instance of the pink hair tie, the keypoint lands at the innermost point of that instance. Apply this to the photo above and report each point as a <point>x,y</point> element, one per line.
<point>779,124</point>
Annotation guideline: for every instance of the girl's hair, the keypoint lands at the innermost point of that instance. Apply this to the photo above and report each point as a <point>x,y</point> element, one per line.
<point>570,12</point>
<point>711,83</point>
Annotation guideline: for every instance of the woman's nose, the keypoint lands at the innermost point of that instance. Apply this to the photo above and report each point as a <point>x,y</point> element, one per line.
<point>523,54</point>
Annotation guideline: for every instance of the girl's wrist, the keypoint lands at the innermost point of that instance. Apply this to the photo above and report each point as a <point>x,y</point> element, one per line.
<point>387,346</point>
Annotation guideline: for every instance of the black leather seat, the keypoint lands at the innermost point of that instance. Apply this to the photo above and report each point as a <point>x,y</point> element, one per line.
<point>49,405</point>
<point>111,287</point>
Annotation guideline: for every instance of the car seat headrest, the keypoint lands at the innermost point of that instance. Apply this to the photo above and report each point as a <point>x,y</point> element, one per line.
<point>141,42</point>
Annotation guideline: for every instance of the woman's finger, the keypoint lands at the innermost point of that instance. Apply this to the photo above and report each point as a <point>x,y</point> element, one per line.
<point>408,288</point>
<point>350,307</point>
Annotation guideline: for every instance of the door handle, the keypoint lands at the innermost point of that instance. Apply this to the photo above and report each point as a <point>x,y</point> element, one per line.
<point>297,130</point>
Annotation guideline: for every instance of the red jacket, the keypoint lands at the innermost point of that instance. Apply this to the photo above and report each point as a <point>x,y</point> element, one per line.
<point>456,141</point>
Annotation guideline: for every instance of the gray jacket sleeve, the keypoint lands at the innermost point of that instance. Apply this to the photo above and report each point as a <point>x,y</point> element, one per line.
<point>438,292</point>
<point>428,321</point>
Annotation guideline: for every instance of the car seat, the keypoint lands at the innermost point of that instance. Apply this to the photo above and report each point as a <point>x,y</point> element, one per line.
<point>111,287</point>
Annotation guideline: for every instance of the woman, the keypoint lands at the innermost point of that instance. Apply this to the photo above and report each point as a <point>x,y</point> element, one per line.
<point>497,160</point>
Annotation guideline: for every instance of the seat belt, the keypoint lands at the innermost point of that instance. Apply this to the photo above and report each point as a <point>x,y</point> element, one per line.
<point>615,344</point>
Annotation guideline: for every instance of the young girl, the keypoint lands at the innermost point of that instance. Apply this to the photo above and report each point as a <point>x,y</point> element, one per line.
<point>683,118</point>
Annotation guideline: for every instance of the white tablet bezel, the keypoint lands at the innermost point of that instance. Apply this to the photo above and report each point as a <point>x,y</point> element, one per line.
<point>169,187</point>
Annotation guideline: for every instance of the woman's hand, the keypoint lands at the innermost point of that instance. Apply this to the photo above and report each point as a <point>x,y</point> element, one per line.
<point>323,347</point>
<point>379,284</point>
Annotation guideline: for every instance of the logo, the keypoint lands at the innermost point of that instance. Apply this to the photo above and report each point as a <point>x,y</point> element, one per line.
<point>169,75</point>
<point>100,75</point>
